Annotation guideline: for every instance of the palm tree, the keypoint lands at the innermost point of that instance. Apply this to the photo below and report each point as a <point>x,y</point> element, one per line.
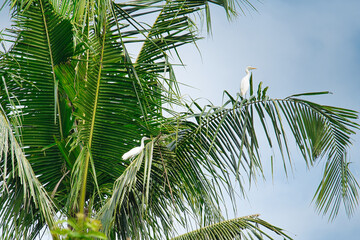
<point>74,99</point>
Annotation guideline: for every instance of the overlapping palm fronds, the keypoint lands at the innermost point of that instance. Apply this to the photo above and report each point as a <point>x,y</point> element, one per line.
<point>77,99</point>
<point>29,112</point>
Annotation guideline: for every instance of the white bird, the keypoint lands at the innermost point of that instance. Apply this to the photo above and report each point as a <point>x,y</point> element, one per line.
<point>245,82</point>
<point>135,151</point>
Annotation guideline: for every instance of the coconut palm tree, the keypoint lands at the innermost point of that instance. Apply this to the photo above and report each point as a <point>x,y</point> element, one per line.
<point>75,96</point>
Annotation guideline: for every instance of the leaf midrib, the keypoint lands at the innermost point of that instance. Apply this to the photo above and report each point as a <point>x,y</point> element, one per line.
<point>52,69</point>
<point>91,133</point>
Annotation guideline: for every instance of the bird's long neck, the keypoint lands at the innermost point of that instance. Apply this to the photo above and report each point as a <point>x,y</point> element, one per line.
<point>142,142</point>
<point>247,71</point>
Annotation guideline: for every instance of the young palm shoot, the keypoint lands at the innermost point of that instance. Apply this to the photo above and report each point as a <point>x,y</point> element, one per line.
<point>245,81</point>
<point>135,151</point>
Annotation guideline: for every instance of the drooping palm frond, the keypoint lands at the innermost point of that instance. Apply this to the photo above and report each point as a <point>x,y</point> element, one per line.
<point>123,186</point>
<point>248,227</point>
<point>155,191</point>
<point>227,135</point>
<point>26,206</point>
<point>338,186</point>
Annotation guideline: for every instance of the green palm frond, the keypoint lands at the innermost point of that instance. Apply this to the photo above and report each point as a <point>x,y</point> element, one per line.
<point>125,184</point>
<point>338,186</point>
<point>227,135</point>
<point>156,190</point>
<point>248,227</point>
<point>107,101</point>
<point>76,101</point>
<point>23,198</point>
<point>171,29</point>
<point>42,40</point>
<point>41,44</point>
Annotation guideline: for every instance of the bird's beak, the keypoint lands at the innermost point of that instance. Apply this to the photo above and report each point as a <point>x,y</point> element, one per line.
<point>252,68</point>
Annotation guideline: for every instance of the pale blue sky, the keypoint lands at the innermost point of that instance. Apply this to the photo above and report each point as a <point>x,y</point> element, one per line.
<point>297,46</point>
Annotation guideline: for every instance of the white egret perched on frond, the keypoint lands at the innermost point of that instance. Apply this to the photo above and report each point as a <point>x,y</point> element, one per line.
<point>245,82</point>
<point>135,151</point>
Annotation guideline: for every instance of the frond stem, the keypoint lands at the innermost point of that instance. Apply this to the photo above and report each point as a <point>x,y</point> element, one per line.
<point>83,189</point>
<point>56,97</point>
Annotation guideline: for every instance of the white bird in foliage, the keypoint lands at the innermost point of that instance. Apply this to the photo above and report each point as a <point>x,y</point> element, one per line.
<point>245,82</point>
<point>135,151</point>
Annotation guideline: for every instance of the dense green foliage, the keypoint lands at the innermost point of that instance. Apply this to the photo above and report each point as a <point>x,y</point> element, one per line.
<point>74,99</point>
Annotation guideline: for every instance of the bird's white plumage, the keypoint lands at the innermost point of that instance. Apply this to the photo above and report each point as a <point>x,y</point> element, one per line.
<point>245,81</point>
<point>135,151</point>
